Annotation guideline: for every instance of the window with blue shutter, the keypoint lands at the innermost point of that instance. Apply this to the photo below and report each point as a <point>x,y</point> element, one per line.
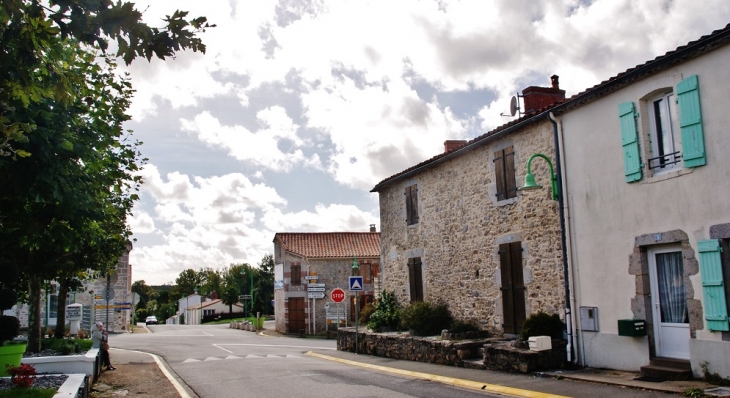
<point>690,122</point>
<point>630,141</point>
<point>713,285</point>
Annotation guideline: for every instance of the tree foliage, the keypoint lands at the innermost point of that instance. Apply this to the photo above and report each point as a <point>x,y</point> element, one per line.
<point>64,210</point>
<point>33,33</point>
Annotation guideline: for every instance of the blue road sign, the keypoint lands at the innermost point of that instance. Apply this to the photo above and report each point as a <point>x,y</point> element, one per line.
<point>356,283</point>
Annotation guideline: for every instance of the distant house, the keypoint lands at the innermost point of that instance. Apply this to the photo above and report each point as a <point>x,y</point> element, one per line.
<point>185,303</point>
<point>324,260</point>
<point>646,154</point>
<point>455,229</point>
<point>209,307</point>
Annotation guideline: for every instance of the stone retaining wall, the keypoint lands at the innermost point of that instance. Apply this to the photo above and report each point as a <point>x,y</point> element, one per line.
<point>498,354</point>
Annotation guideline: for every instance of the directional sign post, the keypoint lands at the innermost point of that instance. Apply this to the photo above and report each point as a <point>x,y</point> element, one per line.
<point>315,295</point>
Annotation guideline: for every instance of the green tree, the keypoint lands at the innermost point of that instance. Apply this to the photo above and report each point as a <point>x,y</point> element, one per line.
<point>264,285</point>
<point>33,33</point>
<point>230,297</point>
<point>64,209</point>
<point>146,293</point>
<point>188,282</point>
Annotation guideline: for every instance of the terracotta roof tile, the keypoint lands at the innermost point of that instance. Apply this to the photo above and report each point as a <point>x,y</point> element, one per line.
<point>330,244</point>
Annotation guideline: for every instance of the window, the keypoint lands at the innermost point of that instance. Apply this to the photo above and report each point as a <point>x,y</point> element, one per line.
<point>665,133</point>
<point>411,204</point>
<point>415,278</point>
<point>665,155</point>
<point>296,275</point>
<point>504,173</point>
<point>53,306</point>
<point>370,272</point>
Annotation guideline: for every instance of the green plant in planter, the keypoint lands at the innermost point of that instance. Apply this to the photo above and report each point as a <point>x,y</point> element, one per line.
<point>542,324</point>
<point>10,353</point>
<point>425,319</point>
<point>386,314</point>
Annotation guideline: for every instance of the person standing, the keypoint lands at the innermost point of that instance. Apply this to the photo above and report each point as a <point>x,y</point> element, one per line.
<point>100,340</point>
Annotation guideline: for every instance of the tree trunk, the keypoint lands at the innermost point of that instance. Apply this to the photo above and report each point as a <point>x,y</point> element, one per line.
<point>61,317</point>
<point>34,314</point>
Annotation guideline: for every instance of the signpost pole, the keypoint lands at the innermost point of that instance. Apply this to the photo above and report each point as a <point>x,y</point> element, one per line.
<point>314,311</point>
<point>357,307</point>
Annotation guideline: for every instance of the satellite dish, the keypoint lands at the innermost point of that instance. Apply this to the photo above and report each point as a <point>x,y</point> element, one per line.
<point>514,106</point>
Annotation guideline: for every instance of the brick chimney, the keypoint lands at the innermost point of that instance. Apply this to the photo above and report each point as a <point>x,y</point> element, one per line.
<point>372,228</point>
<point>450,145</point>
<point>536,98</point>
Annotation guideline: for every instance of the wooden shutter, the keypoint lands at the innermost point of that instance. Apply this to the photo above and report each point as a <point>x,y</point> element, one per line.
<point>513,288</point>
<point>374,270</point>
<point>415,278</point>
<point>630,141</point>
<point>296,275</point>
<point>713,285</point>
<point>690,122</point>
<point>367,271</point>
<point>510,185</point>
<point>499,175</point>
<point>411,204</point>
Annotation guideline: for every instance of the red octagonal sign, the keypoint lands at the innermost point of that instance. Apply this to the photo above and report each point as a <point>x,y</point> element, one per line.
<point>338,295</point>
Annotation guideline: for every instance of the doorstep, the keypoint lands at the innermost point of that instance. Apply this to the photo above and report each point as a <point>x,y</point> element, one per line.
<point>628,379</point>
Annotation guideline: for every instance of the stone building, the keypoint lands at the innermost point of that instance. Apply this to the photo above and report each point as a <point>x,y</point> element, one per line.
<point>324,260</point>
<point>116,315</point>
<point>454,228</point>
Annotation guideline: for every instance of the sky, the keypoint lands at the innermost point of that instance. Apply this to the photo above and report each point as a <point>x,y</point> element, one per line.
<point>298,108</point>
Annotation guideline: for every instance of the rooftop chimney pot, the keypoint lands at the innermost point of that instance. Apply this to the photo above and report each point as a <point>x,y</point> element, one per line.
<point>450,145</point>
<point>555,82</point>
<point>372,227</point>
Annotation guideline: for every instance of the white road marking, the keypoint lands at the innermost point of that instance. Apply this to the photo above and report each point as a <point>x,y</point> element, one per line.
<point>191,360</point>
<point>217,346</point>
<point>250,356</point>
<point>212,359</point>
<point>276,345</point>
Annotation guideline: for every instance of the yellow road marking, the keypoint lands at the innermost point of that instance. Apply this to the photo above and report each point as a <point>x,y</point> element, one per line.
<point>516,392</point>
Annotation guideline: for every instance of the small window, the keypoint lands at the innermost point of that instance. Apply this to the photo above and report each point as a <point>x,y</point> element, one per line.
<point>664,154</point>
<point>411,204</point>
<point>370,272</point>
<point>296,275</point>
<point>415,278</point>
<point>504,173</point>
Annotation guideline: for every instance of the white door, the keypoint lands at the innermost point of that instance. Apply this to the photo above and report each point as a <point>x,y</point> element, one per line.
<point>669,300</point>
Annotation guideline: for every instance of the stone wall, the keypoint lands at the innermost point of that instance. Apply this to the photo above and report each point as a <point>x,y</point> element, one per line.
<point>403,346</point>
<point>497,353</point>
<point>461,225</point>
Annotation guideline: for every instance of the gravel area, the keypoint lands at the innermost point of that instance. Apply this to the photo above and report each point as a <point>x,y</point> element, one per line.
<point>54,381</point>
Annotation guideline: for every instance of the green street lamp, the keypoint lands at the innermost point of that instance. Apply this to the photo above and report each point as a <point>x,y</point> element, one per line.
<point>530,183</point>
<point>356,272</point>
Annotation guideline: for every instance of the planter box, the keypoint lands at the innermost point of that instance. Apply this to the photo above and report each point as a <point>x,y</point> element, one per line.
<point>88,364</point>
<point>10,354</point>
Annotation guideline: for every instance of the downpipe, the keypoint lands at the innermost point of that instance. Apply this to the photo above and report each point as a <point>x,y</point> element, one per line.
<point>561,210</point>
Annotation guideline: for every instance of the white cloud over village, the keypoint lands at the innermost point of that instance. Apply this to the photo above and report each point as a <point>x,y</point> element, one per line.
<point>298,108</point>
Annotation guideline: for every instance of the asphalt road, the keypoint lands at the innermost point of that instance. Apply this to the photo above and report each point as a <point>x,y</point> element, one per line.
<point>216,361</point>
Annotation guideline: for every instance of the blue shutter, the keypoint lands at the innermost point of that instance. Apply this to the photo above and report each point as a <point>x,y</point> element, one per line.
<point>630,141</point>
<point>690,122</point>
<point>713,285</point>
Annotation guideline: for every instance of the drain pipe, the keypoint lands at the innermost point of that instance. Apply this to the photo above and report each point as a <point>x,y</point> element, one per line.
<point>561,209</point>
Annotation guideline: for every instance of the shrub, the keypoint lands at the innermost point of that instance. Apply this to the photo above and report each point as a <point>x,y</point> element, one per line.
<point>460,326</point>
<point>366,312</point>
<point>21,376</point>
<point>386,313</point>
<point>542,324</point>
<point>424,319</point>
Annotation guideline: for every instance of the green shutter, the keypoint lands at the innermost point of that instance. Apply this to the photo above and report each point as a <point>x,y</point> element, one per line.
<point>690,122</point>
<point>713,285</point>
<point>630,141</point>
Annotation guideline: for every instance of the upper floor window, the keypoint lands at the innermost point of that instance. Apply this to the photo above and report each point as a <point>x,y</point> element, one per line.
<point>296,275</point>
<point>665,155</point>
<point>665,131</point>
<point>504,173</point>
<point>411,204</point>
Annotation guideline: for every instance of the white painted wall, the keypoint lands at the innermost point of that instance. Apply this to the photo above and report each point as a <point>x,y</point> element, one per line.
<point>607,213</point>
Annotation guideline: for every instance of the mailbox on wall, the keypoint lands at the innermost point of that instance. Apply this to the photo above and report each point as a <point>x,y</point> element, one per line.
<point>631,327</point>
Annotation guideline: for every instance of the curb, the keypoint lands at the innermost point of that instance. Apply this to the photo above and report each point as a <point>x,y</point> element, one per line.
<point>470,384</point>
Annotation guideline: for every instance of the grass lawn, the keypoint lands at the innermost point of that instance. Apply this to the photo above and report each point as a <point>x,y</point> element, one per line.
<point>28,393</point>
<point>251,319</point>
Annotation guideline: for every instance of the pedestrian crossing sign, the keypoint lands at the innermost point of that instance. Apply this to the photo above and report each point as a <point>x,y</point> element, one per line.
<point>356,283</point>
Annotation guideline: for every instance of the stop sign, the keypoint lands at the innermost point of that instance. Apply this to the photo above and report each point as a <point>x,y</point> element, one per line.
<point>338,295</point>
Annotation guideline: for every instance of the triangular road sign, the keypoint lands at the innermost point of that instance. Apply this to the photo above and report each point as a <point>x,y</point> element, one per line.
<point>356,283</point>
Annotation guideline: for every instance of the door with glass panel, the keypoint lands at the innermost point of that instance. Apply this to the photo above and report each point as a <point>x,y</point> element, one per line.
<point>669,302</point>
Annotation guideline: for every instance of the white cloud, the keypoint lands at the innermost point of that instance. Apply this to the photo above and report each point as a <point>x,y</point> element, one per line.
<point>347,104</point>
